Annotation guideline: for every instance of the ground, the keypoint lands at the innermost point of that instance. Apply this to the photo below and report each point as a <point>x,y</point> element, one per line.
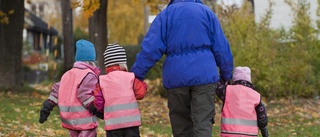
<point>20,114</point>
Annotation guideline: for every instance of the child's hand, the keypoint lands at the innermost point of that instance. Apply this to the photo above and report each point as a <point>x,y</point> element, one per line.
<point>223,82</point>
<point>93,110</point>
<point>45,111</point>
<point>145,85</point>
<point>140,89</point>
<point>99,115</point>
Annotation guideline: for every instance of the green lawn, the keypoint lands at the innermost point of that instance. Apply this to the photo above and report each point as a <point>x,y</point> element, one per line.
<point>20,112</point>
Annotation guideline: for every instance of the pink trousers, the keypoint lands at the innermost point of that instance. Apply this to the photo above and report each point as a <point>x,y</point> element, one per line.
<point>83,133</point>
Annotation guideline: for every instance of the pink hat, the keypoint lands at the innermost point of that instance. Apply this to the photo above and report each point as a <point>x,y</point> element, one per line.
<point>242,73</point>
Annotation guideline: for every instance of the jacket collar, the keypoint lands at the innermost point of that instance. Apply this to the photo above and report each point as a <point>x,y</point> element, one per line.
<point>112,68</point>
<point>82,65</point>
<point>243,83</point>
<point>175,1</point>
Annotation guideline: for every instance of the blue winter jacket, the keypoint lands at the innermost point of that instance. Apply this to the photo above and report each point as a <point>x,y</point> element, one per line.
<point>190,36</point>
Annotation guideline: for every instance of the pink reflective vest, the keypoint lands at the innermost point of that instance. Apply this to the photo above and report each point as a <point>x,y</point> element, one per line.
<point>72,113</point>
<point>121,107</point>
<point>239,117</point>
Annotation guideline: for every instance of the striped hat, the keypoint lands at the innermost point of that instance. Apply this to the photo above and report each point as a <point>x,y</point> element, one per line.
<point>114,54</point>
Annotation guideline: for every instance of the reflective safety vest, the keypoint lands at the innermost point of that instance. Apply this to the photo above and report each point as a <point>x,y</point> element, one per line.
<point>72,113</point>
<point>121,107</point>
<point>239,117</point>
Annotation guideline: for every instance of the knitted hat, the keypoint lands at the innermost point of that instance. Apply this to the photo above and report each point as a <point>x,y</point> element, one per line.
<point>114,54</point>
<point>242,73</point>
<point>85,51</point>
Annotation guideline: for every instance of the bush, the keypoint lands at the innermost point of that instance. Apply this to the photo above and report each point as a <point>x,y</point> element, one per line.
<point>283,62</point>
<point>132,51</point>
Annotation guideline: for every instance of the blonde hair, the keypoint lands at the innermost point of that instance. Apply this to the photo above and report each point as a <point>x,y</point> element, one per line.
<point>123,66</point>
<point>92,63</point>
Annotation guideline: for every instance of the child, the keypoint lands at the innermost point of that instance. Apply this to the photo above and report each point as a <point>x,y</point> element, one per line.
<point>74,94</point>
<point>120,90</point>
<point>242,110</point>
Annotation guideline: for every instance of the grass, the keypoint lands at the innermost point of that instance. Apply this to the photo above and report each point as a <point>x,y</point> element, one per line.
<point>20,114</point>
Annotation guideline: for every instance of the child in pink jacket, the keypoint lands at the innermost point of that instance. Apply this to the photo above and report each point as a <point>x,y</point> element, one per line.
<point>243,113</point>
<point>74,94</point>
<point>119,93</point>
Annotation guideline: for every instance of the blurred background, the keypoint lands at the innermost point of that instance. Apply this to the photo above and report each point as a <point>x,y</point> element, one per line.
<point>277,39</point>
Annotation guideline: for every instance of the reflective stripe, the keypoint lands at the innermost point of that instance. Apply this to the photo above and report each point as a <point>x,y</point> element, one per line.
<point>121,107</point>
<point>54,99</point>
<point>72,108</point>
<point>89,100</point>
<point>79,121</point>
<point>112,121</point>
<point>241,133</point>
<point>239,122</point>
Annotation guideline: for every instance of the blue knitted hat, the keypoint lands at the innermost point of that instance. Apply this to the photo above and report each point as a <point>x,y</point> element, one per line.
<point>85,51</point>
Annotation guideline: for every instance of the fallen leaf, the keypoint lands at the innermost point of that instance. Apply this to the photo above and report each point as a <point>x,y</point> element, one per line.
<point>17,110</point>
<point>50,131</point>
<point>315,115</point>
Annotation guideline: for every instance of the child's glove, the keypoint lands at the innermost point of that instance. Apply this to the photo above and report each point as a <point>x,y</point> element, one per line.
<point>93,110</point>
<point>264,132</point>
<point>45,111</point>
<point>145,85</point>
<point>99,115</point>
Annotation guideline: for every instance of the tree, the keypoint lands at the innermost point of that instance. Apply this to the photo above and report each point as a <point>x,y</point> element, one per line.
<point>80,22</point>
<point>11,42</point>
<point>98,31</point>
<point>126,22</point>
<point>67,34</point>
<point>54,18</point>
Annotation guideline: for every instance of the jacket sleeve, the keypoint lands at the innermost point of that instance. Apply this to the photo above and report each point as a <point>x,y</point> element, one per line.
<point>221,91</point>
<point>152,48</point>
<point>139,88</point>
<point>86,89</point>
<point>221,50</point>
<point>53,97</point>
<point>98,99</point>
<point>261,115</point>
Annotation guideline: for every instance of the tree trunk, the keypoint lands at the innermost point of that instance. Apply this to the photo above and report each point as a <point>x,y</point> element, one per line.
<point>11,43</point>
<point>98,31</point>
<point>252,4</point>
<point>68,44</point>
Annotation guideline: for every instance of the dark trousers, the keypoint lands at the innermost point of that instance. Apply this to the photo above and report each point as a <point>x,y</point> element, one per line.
<point>124,132</point>
<point>191,110</point>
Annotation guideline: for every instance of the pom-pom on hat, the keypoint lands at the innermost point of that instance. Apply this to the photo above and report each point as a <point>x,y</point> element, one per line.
<point>114,54</point>
<point>85,51</point>
<point>242,73</point>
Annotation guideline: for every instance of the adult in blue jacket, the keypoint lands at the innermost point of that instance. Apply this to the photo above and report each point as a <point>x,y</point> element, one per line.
<point>197,56</point>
